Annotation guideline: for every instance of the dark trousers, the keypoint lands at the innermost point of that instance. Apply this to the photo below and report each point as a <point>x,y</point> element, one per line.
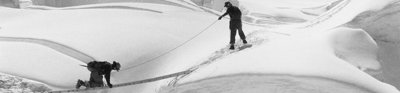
<point>233,26</point>
<point>96,80</point>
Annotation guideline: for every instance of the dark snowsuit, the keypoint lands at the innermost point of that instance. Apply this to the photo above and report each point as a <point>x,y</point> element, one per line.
<point>97,70</point>
<point>235,23</point>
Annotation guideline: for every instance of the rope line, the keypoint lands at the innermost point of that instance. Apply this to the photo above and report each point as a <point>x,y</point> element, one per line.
<point>175,47</point>
<point>127,84</point>
<point>146,80</point>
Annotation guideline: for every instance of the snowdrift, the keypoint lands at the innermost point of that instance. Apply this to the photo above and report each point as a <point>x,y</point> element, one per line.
<point>383,27</point>
<point>153,40</point>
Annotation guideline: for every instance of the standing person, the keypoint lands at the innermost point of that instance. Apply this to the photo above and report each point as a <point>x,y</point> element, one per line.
<point>97,70</point>
<point>235,23</point>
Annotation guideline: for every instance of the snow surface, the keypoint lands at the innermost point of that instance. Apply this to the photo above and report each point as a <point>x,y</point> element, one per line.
<point>280,56</point>
<point>154,39</point>
<point>273,9</point>
<point>98,31</point>
<point>383,27</point>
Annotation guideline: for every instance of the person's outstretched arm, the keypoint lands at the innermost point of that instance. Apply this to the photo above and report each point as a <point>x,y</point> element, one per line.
<point>226,13</point>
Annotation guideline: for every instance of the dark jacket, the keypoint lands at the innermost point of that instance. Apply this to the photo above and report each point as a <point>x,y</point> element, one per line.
<point>103,68</point>
<point>234,13</point>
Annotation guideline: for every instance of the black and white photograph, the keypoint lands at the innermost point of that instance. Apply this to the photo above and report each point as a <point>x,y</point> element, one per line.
<point>199,46</point>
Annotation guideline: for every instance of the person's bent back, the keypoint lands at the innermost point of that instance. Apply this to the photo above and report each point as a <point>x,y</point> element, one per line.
<point>97,70</point>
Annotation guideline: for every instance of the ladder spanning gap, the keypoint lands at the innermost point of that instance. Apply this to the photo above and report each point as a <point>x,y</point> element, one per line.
<point>128,83</point>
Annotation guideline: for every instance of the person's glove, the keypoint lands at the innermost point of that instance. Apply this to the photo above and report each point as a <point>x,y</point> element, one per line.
<point>220,18</point>
<point>110,85</point>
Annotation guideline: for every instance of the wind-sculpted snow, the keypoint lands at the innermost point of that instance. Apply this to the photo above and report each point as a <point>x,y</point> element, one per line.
<point>383,26</point>
<point>358,48</point>
<point>151,45</point>
<point>355,46</point>
<point>344,12</point>
<point>115,7</point>
<point>272,13</point>
<point>72,3</point>
<point>133,6</point>
<point>340,12</point>
<point>259,8</point>
<point>56,46</point>
<point>332,9</point>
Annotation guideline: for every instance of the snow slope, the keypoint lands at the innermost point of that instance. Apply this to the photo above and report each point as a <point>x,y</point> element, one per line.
<point>280,58</point>
<point>152,40</point>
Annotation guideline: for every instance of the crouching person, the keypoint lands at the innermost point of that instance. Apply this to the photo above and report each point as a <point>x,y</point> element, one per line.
<point>97,70</point>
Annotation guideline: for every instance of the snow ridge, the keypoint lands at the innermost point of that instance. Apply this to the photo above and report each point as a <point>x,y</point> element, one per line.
<point>54,45</point>
<point>116,7</point>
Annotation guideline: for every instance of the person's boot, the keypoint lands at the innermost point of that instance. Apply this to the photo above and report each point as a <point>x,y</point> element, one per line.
<point>79,83</point>
<point>232,47</point>
<point>244,41</point>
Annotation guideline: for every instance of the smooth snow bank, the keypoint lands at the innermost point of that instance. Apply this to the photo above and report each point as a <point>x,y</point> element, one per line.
<point>356,47</point>
<point>300,55</point>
